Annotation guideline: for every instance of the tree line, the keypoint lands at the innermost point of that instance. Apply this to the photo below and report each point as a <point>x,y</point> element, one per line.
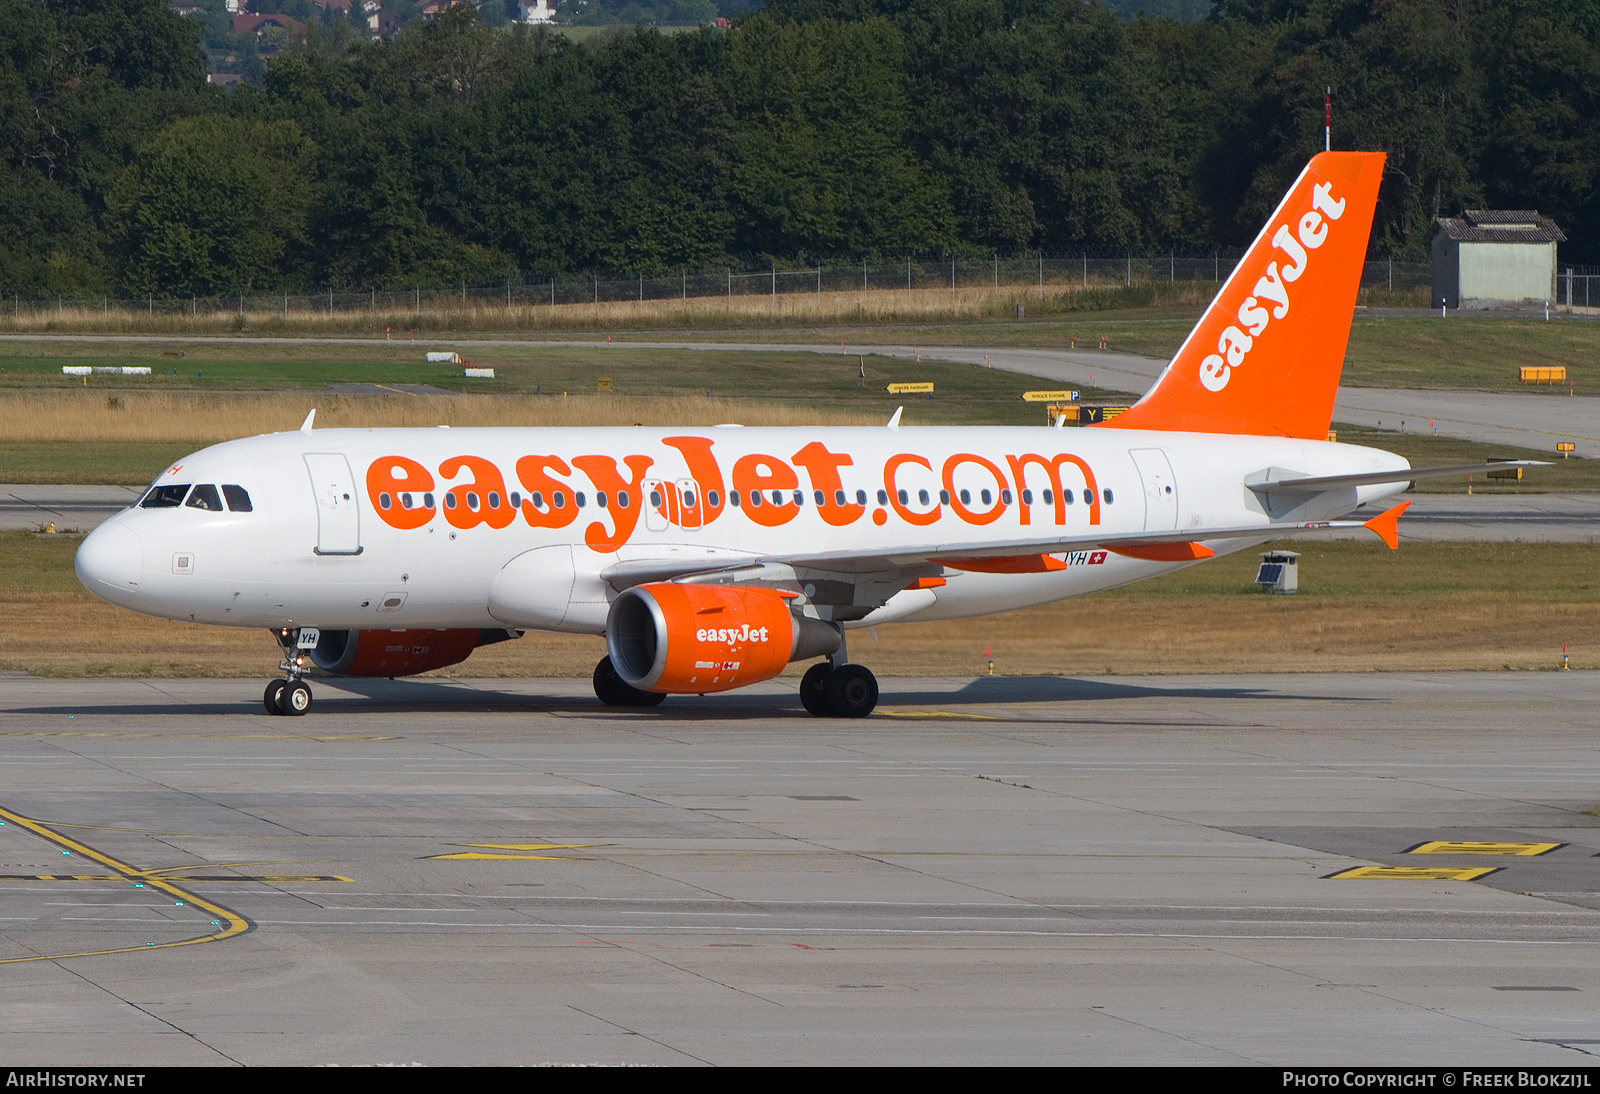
<point>808,131</point>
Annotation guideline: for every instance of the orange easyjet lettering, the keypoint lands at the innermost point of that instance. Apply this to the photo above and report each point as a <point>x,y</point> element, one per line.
<point>705,472</point>
<point>889,483</point>
<point>959,504</point>
<point>549,503</point>
<point>1052,468</point>
<point>483,500</point>
<point>396,487</point>
<point>626,502</point>
<point>771,481</point>
<point>822,467</point>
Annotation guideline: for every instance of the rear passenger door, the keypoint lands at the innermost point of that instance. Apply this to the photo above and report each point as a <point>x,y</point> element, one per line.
<point>338,519</point>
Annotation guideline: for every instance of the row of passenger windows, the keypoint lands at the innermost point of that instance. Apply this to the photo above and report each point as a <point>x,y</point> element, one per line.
<point>560,499</point>
<point>204,496</point>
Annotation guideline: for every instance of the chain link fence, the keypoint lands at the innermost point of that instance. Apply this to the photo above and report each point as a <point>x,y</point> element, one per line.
<point>1081,272</point>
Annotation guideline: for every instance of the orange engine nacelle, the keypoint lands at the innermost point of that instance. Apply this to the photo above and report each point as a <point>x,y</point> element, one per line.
<point>692,639</point>
<point>396,653</point>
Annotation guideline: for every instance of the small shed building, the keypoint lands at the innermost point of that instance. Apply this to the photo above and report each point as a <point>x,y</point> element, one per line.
<point>1489,258</point>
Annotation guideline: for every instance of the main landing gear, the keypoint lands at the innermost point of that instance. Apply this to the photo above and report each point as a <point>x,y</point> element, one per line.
<point>614,691</point>
<point>838,691</point>
<point>292,695</point>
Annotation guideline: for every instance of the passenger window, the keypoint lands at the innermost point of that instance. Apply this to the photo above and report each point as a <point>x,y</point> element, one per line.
<point>239,499</point>
<point>164,497</point>
<point>205,497</point>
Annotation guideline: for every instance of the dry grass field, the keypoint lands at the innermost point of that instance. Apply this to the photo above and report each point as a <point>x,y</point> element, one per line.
<point>207,419</point>
<point>1361,608</point>
<point>874,307</point>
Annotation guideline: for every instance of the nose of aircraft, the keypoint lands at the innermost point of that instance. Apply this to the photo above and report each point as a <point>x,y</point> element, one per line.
<point>110,563</point>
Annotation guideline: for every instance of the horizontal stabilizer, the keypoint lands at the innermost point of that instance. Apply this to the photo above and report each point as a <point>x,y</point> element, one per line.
<point>1316,484</point>
<point>1387,525</point>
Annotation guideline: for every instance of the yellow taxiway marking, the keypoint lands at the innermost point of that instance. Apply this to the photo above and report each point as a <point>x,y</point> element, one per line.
<point>1468,847</point>
<point>230,922</point>
<point>937,714</point>
<point>498,851</point>
<point>489,856</point>
<point>528,846</point>
<point>206,736</point>
<point>1415,873</point>
<point>267,878</point>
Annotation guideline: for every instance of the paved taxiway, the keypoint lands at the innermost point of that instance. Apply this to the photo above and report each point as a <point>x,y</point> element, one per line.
<point>988,871</point>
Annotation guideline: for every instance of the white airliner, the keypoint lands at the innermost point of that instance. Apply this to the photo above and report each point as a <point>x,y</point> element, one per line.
<point>712,558</point>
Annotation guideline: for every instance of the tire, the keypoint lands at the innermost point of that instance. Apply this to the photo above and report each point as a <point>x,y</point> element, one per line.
<point>850,691</point>
<point>813,689</point>
<point>296,699</point>
<point>272,698</point>
<point>633,697</point>
<point>607,685</point>
<point>614,691</point>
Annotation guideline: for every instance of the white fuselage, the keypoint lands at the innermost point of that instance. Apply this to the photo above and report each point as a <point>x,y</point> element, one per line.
<point>340,535</point>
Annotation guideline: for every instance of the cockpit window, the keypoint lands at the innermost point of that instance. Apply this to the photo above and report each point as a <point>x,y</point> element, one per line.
<point>205,497</point>
<point>164,497</point>
<point>238,499</point>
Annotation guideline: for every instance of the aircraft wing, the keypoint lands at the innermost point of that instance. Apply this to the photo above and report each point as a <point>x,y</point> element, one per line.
<point>1024,554</point>
<point>1133,544</point>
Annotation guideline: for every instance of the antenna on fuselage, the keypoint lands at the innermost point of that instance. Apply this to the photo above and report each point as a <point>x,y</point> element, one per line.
<point>305,426</point>
<point>894,423</point>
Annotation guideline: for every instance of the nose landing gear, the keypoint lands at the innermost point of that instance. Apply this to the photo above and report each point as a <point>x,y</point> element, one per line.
<point>292,695</point>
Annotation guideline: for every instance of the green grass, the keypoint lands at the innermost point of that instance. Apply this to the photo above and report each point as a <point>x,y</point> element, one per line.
<point>108,463</point>
<point>1476,354</point>
<point>31,563</point>
<point>223,367</point>
<point>962,394</point>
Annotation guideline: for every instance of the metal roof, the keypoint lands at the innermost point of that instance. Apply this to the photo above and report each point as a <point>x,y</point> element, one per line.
<point>1501,226</point>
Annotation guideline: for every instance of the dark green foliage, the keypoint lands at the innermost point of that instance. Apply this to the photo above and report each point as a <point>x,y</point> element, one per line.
<point>212,204</point>
<point>809,131</point>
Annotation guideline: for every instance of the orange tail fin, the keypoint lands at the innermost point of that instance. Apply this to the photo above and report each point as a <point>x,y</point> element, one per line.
<point>1266,356</point>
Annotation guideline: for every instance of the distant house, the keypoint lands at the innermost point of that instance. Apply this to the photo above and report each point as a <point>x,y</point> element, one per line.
<point>383,24</point>
<point>187,7</point>
<point>1490,258</point>
<point>223,79</point>
<point>245,23</point>
<point>535,12</point>
<point>332,5</point>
